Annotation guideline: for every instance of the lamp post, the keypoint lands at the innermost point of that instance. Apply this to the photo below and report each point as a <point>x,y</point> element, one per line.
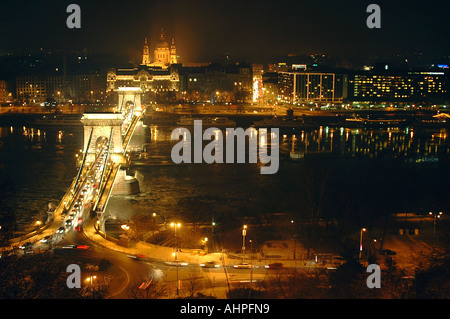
<point>244,233</point>
<point>251,262</point>
<point>360,243</point>
<point>436,216</point>
<point>176,226</point>
<point>206,245</point>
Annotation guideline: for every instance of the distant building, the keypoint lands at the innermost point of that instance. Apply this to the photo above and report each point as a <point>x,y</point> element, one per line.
<point>398,86</point>
<point>4,94</point>
<point>38,88</point>
<point>154,81</point>
<point>270,87</point>
<point>311,87</point>
<point>218,83</point>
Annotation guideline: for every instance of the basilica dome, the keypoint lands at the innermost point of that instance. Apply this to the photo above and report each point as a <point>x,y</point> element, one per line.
<point>161,42</point>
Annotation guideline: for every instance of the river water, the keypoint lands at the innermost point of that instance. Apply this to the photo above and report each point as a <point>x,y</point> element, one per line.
<point>409,163</point>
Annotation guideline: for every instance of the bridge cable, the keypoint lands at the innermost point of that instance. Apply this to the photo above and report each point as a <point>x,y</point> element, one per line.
<point>84,159</point>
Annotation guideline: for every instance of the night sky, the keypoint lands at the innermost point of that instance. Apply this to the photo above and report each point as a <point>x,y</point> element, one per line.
<point>245,29</point>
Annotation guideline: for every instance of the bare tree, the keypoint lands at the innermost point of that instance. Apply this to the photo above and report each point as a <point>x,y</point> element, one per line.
<point>147,287</point>
<point>193,282</point>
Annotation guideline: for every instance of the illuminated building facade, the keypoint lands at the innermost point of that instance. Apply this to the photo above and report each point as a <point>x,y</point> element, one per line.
<point>257,70</point>
<point>80,87</point>
<point>154,81</point>
<point>4,95</point>
<point>218,83</point>
<point>311,87</point>
<point>399,86</point>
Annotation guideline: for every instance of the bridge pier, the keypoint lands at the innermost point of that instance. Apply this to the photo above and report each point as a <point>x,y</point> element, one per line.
<point>101,221</point>
<point>125,184</point>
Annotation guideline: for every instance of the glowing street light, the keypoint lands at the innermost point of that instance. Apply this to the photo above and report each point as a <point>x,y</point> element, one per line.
<point>90,279</point>
<point>244,233</point>
<point>436,216</point>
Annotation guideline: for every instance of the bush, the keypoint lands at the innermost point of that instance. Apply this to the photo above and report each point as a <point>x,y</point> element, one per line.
<point>104,264</point>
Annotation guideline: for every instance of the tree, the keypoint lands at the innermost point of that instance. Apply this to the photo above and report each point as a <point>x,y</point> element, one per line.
<point>147,287</point>
<point>142,224</point>
<point>43,276</point>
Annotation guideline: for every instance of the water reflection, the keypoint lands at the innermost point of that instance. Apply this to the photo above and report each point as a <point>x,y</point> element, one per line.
<point>41,164</point>
<point>393,143</point>
<point>402,143</point>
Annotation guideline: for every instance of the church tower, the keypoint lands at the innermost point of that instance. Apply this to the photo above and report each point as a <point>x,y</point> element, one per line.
<point>173,53</point>
<point>146,54</point>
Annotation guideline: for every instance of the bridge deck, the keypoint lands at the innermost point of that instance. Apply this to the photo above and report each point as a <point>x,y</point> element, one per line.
<point>107,187</point>
<point>130,131</point>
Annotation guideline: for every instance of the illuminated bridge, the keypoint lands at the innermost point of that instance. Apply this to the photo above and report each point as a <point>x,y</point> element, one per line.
<point>103,164</point>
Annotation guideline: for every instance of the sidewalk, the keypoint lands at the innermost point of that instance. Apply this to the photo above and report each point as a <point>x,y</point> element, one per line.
<point>191,256</point>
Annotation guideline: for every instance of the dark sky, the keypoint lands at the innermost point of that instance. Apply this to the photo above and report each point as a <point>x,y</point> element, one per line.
<point>246,29</point>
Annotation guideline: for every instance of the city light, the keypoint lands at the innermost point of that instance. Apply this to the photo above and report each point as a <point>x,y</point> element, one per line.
<point>162,171</point>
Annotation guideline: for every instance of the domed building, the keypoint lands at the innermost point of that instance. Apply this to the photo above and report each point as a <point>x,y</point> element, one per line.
<point>164,55</point>
<point>157,77</point>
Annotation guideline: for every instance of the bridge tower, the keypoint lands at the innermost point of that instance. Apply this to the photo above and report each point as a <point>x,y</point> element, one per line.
<point>130,95</point>
<point>101,126</point>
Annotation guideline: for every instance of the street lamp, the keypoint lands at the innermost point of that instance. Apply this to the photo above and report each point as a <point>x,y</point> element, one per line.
<point>436,216</point>
<point>90,279</point>
<point>205,241</point>
<point>176,226</point>
<point>360,243</point>
<point>244,233</point>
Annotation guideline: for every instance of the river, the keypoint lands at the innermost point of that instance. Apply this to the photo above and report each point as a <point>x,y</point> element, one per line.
<point>40,163</point>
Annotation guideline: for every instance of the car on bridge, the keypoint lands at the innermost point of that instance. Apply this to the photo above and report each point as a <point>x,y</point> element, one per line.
<point>27,245</point>
<point>243,266</point>
<point>46,239</point>
<point>61,230</point>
